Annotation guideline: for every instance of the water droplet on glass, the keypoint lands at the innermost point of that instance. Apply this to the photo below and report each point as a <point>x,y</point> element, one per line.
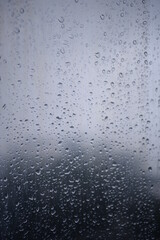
<point>17,30</point>
<point>121,75</point>
<point>61,19</point>
<point>97,54</point>
<point>38,171</point>
<point>21,10</point>
<point>102,17</point>
<point>122,14</point>
<point>150,169</point>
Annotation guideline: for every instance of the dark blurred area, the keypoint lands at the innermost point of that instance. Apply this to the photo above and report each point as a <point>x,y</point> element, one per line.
<point>79,194</point>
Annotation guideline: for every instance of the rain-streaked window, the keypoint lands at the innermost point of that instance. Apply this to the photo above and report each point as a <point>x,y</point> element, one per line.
<point>80,119</point>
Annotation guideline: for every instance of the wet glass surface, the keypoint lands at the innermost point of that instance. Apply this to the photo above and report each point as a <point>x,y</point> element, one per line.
<point>80,119</point>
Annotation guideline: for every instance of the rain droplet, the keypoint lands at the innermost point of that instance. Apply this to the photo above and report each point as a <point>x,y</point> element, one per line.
<point>4,106</point>
<point>102,17</point>
<point>61,19</point>
<point>97,54</point>
<point>122,14</point>
<point>17,30</point>
<point>38,171</point>
<point>121,75</point>
<point>150,169</point>
<point>146,54</point>
<point>21,10</point>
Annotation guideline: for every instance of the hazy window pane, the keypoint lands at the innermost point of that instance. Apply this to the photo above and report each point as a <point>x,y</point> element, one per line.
<point>80,119</point>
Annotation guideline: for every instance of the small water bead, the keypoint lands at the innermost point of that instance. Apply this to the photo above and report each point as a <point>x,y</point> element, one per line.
<point>21,10</point>
<point>97,54</point>
<point>102,17</point>
<point>121,75</point>
<point>61,19</point>
<point>122,14</point>
<point>150,169</point>
<point>146,54</point>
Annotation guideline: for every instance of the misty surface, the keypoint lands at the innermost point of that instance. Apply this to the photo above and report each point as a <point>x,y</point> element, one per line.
<point>80,119</point>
